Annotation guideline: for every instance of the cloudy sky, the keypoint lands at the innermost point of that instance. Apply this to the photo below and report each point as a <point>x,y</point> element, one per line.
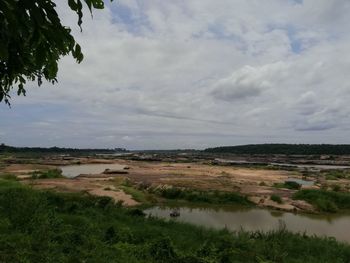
<point>195,73</point>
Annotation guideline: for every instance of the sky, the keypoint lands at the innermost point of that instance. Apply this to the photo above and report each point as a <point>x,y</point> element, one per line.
<point>194,74</point>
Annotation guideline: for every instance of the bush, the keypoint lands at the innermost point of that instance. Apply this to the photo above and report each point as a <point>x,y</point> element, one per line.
<point>171,193</point>
<point>162,250</point>
<point>336,188</point>
<point>136,212</point>
<point>197,196</point>
<point>336,174</point>
<point>292,185</point>
<point>8,176</point>
<point>326,205</point>
<point>39,226</point>
<point>54,173</point>
<point>276,198</point>
<point>328,201</point>
<point>288,184</point>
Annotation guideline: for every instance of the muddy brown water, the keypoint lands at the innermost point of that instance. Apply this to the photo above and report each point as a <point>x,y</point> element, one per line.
<point>253,219</point>
<point>72,171</point>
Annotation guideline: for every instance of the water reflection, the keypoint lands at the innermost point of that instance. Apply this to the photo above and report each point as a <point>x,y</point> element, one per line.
<point>254,219</point>
<point>72,171</point>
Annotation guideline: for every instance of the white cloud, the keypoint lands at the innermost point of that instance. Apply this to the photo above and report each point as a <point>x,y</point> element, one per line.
<point>171,74</point>
<point>248,82</point>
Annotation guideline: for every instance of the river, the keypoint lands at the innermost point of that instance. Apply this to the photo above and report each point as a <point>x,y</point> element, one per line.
<point>71,171</point>
<point>334,225</point>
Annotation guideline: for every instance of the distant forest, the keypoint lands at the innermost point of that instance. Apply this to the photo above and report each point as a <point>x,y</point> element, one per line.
<point>10,149</point>
<point>291,149</point>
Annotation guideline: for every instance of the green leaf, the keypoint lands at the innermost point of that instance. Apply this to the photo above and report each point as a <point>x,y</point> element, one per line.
<point>3,51</point>
<point>32,40</point>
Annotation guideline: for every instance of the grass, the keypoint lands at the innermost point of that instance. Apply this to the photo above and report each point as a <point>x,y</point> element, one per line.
<point>54,173</point>
<point>137,195</point>
<point>38,226</point>
<point>288,185</point>
<point>8,176</point>
<point>336,187</point>
<point>276,198</point>
<point>198,196</point>
<point>336,174</point>
<point>326,201</point>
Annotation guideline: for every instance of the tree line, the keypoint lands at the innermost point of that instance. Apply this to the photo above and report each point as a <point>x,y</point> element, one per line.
<point>291,149</point>
<point>10,149</point>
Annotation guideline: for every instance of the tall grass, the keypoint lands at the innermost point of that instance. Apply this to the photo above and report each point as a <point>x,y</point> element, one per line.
<point>327,201</point>
<point>54,173</point>
<point>336,174</point>
<point>197,196</point>
<point>276,198</point>
<point>289,185</point>
<point>8,176</point>
<point>38,226</point>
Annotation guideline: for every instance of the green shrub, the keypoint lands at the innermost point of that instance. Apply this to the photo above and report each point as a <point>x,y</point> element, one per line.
<point>288,184</point>
<point>197,196</point>
<point>336,174</point>
<point>136,212</point>
<point>162,250</point>
<point>326,205</point>
<point>171,193</point>
<point>54,173</point>
<point>40,226</point>
<point>276,198</point>
<point>336,188</point>
<point>292,185</point>
<point>8,176</point>
<point>328,201</point>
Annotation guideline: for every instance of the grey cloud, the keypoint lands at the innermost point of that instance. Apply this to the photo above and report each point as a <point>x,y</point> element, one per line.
<point>163,84</point>
<point>233,92</point>
<point>173,116</point>
<point>309,127</point>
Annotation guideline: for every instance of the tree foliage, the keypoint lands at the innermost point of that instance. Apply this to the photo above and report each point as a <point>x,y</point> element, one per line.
<point>55,150</point>
<point>33,39</point>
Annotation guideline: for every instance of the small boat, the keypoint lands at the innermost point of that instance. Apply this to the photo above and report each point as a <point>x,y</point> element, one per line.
<point>175,213</point>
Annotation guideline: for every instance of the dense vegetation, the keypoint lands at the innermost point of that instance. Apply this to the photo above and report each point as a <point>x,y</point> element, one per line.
<point>276,198</point>
<point>49,227</point>
<point>327,201</point>
<point>197,196</point>
<point>288,184</point>
<point>32,150</point>
<point>336,174</point>
<point>297,149</point>
<point>33,39</point>
<point>54,173</point>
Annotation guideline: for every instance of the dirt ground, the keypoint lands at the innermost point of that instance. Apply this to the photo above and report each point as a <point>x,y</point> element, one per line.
<point>256,183</point>
<point>93,186</point>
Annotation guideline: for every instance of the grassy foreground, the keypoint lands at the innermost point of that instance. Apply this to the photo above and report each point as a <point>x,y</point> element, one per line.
<point>39,226</point>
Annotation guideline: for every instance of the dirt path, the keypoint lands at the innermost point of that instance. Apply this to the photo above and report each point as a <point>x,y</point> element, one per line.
<point>117,195</point>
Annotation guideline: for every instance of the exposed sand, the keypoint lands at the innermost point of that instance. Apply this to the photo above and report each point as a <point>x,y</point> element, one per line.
<point>118,195</point>
<point>191,175</point>
<point>25,168</point>
<point>98,186</point>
